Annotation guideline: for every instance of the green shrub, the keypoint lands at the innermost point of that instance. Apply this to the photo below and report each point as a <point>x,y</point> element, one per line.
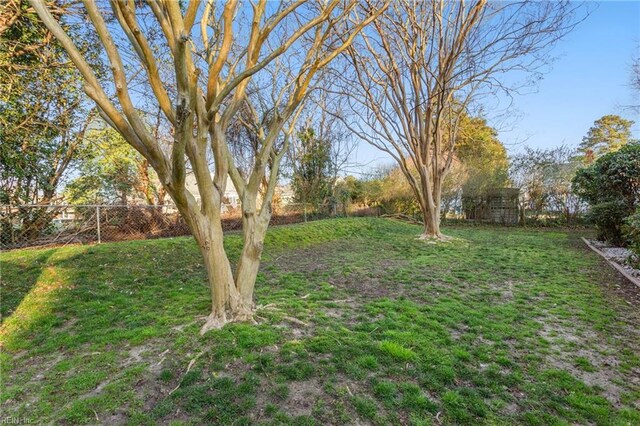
<point>609,218</point>
<point>611,186</point>
<point>631,231</point>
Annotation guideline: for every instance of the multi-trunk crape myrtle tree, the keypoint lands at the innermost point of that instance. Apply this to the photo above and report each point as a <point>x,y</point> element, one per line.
<point>205,63</point>
<point>420,67</point>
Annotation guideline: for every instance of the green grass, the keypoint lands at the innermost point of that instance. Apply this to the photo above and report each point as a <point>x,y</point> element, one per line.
<point>358,322</point>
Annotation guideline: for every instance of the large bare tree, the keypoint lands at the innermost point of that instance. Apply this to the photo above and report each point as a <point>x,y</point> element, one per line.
<point>216,50</point>
<point>421,66</point>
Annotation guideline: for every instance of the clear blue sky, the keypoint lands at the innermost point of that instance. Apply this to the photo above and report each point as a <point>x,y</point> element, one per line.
<point>590,78</point>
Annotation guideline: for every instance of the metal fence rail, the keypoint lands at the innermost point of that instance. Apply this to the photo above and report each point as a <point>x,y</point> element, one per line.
<point>55,225</point>
<point>38,225</point>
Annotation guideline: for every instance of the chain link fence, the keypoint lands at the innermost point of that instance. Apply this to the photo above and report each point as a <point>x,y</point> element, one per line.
<point>57,225</point>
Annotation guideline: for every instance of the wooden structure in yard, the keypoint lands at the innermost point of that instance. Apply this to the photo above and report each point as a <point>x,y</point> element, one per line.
<point>495,205</point>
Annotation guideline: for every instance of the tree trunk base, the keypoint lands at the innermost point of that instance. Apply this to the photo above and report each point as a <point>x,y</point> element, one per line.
<point>216,321</point>
<point>435,238</point>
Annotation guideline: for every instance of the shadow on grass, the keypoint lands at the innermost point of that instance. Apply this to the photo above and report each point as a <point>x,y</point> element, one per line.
<point>102,295</point>
<point>118,292</point>
<point>18,275</point>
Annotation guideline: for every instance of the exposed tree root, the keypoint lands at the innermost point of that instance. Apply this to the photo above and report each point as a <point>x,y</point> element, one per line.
<point>216,321</point>
<point>213,322</point>
<point>434,239</point>
<point>295,321</point>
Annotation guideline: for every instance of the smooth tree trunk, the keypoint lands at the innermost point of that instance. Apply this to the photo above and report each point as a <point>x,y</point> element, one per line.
<point>225,300</point>
<point>431,220</point>
<point>231,294</point>
<point>253,232</point>
<point>430,201</point>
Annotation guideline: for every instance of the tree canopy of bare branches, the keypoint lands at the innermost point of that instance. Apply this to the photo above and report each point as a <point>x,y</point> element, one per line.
<point>423,64</point>
<point>203,65</point>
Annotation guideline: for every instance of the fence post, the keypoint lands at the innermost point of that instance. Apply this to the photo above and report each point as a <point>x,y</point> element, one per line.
<point>13,231</point>
<point>98,222</point>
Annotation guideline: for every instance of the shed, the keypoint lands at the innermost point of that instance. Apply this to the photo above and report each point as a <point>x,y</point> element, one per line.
<point>495,205</point>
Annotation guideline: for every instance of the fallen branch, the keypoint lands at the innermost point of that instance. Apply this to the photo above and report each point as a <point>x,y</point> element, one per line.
<point>191,364</point>
<point>295,321</point>
<point>403,218</point>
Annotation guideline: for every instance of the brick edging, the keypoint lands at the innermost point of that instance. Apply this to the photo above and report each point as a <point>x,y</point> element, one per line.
<point>615,265</point>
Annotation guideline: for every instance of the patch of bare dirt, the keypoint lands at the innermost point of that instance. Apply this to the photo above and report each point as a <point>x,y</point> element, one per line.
<point>504,289</point>
<point>363,278</point>
<point>295,330</point>
<point>302,396</point>
<point>569,343</point>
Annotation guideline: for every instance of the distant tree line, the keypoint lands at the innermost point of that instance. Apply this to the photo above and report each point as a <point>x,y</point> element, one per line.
<point>549,179</point>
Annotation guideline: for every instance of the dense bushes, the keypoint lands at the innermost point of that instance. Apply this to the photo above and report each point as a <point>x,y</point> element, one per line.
<point>631,230</point>
<point>609,218</point>
<point>612,187</point>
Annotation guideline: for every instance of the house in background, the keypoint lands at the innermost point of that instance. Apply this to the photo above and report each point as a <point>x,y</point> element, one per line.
<point>285,195</point>
<point>231,199</point>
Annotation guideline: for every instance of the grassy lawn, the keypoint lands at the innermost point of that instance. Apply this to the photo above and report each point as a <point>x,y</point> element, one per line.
<point>358,322</point>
